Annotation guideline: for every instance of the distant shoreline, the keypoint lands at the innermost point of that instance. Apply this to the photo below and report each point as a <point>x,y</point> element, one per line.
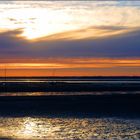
<point>54,86</point>
<point>74,77</point>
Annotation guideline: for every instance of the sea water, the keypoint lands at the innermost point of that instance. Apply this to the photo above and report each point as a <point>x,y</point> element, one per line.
<point>73,128</point>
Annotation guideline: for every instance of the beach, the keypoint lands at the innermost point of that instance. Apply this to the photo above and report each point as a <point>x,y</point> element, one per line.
<point>93,108</point>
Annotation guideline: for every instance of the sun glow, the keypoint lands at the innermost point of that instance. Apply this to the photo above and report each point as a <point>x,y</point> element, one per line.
<point>40,19</point>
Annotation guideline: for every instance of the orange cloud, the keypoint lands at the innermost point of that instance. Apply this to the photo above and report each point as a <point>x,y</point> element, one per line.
<point>55,63</point>
<point>93,32</point>
<point>72,66</point>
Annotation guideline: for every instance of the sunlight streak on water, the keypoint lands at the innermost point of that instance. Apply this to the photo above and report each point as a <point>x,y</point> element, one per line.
<point>69,128</point>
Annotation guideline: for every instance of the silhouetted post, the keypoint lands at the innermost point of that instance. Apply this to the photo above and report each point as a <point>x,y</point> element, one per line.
<point>5,75</point>
<point>52,78</point>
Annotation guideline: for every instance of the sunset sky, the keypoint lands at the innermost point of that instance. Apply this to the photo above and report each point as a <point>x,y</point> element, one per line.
<point>70,38</point>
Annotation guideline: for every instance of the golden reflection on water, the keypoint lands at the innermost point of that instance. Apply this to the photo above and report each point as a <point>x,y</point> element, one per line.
<point>68,128</point>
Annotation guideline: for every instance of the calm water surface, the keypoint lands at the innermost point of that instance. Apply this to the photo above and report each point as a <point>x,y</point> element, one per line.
<point>65,93</point>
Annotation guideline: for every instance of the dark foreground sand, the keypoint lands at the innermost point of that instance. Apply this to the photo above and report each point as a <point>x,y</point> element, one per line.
<point>95,104</point>
<point>124,104</point>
